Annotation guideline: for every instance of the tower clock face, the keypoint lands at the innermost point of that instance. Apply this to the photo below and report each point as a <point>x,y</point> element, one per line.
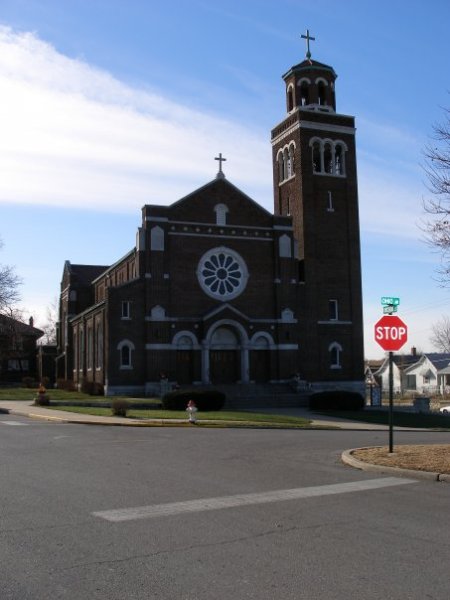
<point>222,273</point>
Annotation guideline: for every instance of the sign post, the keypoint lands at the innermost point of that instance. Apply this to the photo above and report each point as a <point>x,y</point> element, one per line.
<point>391,333</point>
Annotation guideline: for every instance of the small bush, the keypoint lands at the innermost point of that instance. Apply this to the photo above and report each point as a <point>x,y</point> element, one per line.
<point>205,400</point>
<point>66,384</point>
<point>29,382</point>
<point>120,407</point>
<point>45,381</point>
<point>336,400</point>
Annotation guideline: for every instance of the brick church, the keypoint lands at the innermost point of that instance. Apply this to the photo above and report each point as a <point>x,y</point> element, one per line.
<point>218,290</point>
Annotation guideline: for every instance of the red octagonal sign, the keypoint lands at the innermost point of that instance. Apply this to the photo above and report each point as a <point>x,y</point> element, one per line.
<point>391,333</point>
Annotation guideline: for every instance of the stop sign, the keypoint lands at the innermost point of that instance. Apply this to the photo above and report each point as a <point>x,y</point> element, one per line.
<point>391,333</point>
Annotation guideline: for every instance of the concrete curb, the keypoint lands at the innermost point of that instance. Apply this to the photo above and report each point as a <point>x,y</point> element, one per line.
<point>108,422</point>
<point>348,458</point>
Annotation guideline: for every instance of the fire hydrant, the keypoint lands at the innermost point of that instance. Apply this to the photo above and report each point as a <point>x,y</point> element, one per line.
<point>191,409</point>
<point>42,399</point>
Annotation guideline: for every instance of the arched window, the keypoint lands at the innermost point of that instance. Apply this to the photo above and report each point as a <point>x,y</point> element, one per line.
<point>286,165</point>
<point>285,160</point>
<point>157,239</point>
<point>291,159</point>
<point>339,162</point>
<point>316,157</point>
<point>328,158</point>
<point>280,167</point>
<point>322,93</point>
<point>304,93</point>
<point>125,348</point>
<point>335,351</point>
<point>125,356</point>
<point>290,98</point>
<point>284,246</point>
<point>221,214</point>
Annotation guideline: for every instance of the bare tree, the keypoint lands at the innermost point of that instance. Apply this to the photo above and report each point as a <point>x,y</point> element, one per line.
<point>49,327</point>
<point>437,206</point>
<point>440,334</point>
<point>9,284</point>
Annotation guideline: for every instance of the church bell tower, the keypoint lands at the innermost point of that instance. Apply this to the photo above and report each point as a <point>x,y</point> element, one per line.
<point>315,182</point>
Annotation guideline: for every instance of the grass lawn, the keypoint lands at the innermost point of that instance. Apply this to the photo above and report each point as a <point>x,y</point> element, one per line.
<point>21,393</point>
<point>241,416</point>
<point>400,419</point>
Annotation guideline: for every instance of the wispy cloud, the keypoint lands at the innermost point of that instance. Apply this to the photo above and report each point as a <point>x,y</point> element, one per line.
<point>72,135</point>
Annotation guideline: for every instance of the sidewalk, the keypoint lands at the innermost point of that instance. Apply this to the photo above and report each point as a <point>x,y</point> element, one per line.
<point>27,409</point>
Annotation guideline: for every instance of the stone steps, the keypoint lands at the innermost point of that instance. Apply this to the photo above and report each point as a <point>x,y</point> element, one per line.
<point>242,396</point>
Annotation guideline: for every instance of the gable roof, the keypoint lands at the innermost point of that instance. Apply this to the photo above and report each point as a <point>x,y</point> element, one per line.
<point>20,327</point>
<point>84,274</point>
<point>218,183</point>
<point>437,359</point>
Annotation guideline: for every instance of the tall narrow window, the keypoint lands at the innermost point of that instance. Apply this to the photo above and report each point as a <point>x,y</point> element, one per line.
<point>335,351</point>
<point>126,312</point>
<point>339,167</point>
<point>99,346</point>
<point>304,94</point>
<point>221,211</point>
<point>90,348</point>
<point>316,157</point>
<point>286,165</point>
<point>328,158</point>
<point>125,354</point>
<point>81,351</point>
<point>75,353</point>
<point>290,99</point>
<point>330,207</point>
<point>333,313</point>
<point>280,167</point>
<point>291,159</point>
<point>322,93</point>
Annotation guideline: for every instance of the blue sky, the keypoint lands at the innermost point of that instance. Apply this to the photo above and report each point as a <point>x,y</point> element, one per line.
<point>109,105</point>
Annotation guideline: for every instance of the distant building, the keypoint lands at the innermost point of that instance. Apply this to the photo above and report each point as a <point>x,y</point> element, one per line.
<point>218,290</point>
<point>18,343</point>
<point>415,374</point>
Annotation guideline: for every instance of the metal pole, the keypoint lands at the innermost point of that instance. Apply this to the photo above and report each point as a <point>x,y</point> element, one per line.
<point>391,403</point>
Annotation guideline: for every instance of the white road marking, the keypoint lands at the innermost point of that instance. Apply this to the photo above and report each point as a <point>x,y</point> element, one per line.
<point>13,423</point>
<point>191,506</point>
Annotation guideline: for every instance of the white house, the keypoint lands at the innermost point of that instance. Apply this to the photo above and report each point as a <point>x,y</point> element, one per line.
<point>400,363</point>
<point>413,374</point>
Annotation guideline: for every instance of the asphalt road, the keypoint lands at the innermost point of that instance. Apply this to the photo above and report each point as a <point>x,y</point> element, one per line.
<point>91,512</point>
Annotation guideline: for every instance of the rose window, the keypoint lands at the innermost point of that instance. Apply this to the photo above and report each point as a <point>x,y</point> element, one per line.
<point>222,273</point>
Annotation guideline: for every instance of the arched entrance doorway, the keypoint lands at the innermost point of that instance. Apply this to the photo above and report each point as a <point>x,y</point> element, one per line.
<point>224,356</point>
<point>260,360</point>
<point>184,360</point>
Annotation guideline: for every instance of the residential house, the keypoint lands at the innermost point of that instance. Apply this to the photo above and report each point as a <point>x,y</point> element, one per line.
<point>17,349</point>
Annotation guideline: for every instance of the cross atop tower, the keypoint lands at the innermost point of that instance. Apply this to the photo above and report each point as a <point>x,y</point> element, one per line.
<point>307,37</point>
<point>220,174</point>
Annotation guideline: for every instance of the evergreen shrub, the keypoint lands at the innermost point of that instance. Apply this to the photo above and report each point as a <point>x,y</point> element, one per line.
<point>120,407</point>
<point>205,400</point>
<point>336,400</point>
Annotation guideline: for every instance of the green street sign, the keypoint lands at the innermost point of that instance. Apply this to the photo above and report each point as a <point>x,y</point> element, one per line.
<point>389,309</point>
<point>389,301</point>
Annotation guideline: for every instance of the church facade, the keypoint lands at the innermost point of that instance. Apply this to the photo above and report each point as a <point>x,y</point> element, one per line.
<point>218,290</point>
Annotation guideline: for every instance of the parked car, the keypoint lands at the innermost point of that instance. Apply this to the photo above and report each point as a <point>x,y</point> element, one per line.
<point>445,410</point>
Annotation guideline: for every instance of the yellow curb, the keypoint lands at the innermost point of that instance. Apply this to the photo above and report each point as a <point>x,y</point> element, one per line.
<point>46,418</point>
